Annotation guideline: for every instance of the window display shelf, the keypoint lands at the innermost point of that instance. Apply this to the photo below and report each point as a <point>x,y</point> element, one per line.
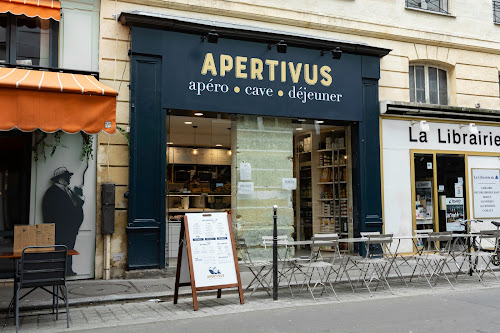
<point>330,171</point>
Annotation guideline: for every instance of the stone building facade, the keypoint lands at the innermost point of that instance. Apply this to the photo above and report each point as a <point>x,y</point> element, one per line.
<point>461,39</point>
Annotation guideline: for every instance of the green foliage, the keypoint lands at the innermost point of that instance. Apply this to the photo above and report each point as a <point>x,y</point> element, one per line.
<point>125,134</point>
<point>87,147</point>
<point>41,144</point>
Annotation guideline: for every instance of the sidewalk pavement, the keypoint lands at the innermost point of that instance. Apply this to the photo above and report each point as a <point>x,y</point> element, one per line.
<point>116,304</point>
<point>92,292</point>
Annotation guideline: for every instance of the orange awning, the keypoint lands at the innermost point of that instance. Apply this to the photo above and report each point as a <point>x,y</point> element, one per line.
<point>51,101</point>
<point>44,9</point>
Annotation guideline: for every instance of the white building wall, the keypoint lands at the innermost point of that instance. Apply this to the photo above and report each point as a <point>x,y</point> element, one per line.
<point>396,168</point>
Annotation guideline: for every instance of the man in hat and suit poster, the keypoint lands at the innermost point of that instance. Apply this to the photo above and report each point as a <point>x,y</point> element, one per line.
<point>63,206</point>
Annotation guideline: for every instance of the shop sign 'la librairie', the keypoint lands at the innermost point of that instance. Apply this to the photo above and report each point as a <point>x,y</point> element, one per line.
<point>455,137</point>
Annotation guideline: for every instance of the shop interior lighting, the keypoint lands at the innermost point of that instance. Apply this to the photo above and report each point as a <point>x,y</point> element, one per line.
<point>211,37</point>
<point>199,114</point>
<point>319,121</point>
<point>218,145</point>
<point>195,150</point>
<point>472,128</point>
<point>170,143</point>
<point>336,53</point>
<point>229,153</point>
<point>188,122</point>
<point>301,120</point>
<point>299,129</point>
<point>281,46</point>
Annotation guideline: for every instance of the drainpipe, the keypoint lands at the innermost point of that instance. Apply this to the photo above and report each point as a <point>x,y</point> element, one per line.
<point>107,224</point>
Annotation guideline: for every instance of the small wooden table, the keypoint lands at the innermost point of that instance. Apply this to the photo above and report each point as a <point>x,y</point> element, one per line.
<point>18,255</point>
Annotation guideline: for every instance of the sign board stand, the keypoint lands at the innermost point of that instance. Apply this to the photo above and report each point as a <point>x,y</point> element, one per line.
<point>207,253</point>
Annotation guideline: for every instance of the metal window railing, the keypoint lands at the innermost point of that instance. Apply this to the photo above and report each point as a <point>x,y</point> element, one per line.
<point>440,6</point>
<point>496,12</point>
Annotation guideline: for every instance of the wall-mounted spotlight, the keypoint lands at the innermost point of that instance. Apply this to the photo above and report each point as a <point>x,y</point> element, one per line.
<point>424,126</point>
<point>281,46</point>
<point>336,53</point>
<point>472,128</point>
<point>211,37</point>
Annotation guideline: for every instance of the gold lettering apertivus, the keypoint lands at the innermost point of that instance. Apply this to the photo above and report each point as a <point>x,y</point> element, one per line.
<point>258,69</point>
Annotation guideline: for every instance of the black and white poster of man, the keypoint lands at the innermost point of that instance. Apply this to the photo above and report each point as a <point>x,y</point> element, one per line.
<point>65,194</point>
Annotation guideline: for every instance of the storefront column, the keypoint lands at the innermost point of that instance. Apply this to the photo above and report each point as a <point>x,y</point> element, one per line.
<point>267,144</point>
<point>368,177</point>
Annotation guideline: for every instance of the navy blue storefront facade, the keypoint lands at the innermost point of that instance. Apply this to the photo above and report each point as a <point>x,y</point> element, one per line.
<point>174,65</point>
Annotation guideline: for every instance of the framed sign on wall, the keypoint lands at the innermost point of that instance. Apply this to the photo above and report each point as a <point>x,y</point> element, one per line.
<point>486,193</point>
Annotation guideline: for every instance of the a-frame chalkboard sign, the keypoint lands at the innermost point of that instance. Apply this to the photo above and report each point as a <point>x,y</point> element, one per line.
<point>207,258</point>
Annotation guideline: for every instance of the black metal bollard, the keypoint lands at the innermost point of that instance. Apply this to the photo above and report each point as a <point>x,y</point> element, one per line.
<point>275,254</point>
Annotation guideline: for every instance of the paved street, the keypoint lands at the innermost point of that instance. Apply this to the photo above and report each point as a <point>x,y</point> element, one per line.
<point>471,307</point>
<point>467,311</point>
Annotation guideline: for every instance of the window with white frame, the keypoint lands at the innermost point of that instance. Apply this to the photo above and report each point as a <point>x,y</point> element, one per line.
<point>440,6</point>
<point>428,85</point>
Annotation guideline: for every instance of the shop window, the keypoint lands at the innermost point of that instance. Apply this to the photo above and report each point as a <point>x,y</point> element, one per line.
<point>438,6</point>
<point>3,38</point>
<point>204,173</point>
<point>428,85</point>
<point>15,182</point>
<point>28,41</point>
<point>440,191</point>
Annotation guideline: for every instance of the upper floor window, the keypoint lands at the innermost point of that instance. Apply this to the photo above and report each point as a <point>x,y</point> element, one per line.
<point>496,12</point>
<point>428,85</point>
<point>28,41</point>
<point>440,6</point>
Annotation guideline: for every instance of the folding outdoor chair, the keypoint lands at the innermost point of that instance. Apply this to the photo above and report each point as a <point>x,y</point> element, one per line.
<point>259,269</point>
<point>41,267</point>
<point>284,263</point>
<point>480,261</point>
<point>378,260</point>
<point>421,239</point>
<point>420,242</point>
<point>436,258</point>
<point>323,267</point>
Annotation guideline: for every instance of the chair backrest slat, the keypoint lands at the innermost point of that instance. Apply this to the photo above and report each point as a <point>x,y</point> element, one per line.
<point>268,240</point>
<point>378,245</point>
<point>439,242</point>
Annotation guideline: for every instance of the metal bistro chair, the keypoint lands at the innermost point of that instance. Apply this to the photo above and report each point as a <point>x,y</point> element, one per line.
<point>480,260</point>
<point>378,260</point>
<point>284,265</point>
<point>436,258</point>
<point>420,242</point>
<point>259,269</point>
<point>324,267</point>
<point>41,267</point>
